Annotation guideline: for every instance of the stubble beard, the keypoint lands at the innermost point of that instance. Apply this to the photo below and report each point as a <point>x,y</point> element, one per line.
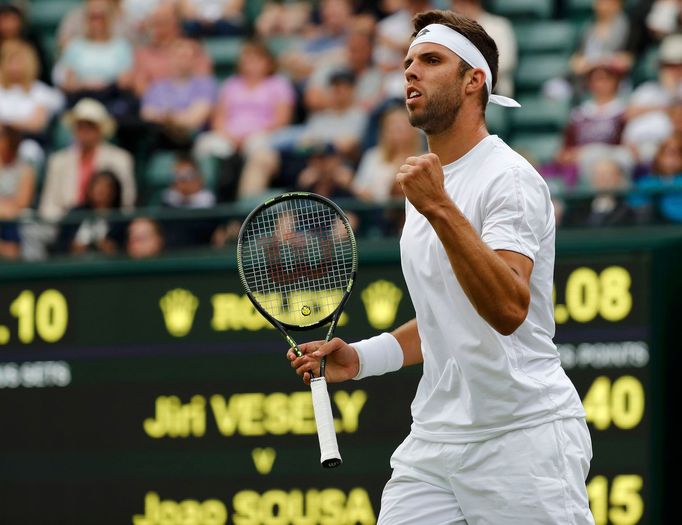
<point>439,113</point>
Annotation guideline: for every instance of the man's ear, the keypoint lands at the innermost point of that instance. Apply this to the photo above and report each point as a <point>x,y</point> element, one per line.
<point>474,80</point>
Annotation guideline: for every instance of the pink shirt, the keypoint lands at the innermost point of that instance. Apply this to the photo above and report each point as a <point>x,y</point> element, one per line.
<point>156,63</point>
<point>250,109</point>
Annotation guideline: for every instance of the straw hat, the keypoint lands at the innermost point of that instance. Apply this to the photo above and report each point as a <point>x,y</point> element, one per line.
<point>90,110</point>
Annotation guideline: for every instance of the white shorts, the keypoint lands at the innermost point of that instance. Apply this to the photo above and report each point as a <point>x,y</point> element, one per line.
<point>531,476</point>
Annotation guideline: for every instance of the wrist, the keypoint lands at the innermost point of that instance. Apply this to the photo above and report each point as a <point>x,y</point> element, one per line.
<point>440,210</point>
<point>378,355</point>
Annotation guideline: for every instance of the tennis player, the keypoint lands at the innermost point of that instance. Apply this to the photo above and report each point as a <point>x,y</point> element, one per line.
<point>498,434</point>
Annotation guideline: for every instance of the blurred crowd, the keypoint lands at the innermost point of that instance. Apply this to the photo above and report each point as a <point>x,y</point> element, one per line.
<point>128,107</point>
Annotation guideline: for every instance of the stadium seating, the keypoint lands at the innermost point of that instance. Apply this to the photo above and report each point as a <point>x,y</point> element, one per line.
<point>224,51</point>
<point>534,70</point>
<point>158,174</point>
<point>280,44</point>
<point>46,15</point>
<point>545,36</point>
<point>523,9</point>
<point>539,148</point>
<point>539,114</point>
<point>646,67</point>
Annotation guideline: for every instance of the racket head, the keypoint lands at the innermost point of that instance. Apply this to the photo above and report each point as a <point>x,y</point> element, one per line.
<point>297,260</point>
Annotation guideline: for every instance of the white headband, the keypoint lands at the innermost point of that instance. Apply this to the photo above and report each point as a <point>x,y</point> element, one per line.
<point>462,47</point>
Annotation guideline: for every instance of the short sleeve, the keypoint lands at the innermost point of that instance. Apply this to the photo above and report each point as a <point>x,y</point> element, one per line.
<point>50,98</point>
<point>517,212</point>
<point>153,96</point>
<point>283,92</point>
<point>206,89</point>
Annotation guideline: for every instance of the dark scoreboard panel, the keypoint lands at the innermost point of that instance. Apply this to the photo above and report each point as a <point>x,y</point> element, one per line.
<point>164,398</point>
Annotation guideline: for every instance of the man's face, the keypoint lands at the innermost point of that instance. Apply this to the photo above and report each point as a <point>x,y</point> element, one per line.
<point>342,95</point>
<point>432,90</point>
<point>87,133</point>
<point>187,180</point>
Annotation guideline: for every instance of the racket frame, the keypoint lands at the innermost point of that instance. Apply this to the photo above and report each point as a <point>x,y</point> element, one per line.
<point>330,456</point>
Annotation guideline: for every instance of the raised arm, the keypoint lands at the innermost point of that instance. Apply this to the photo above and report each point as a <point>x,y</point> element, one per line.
<point>496,282</point>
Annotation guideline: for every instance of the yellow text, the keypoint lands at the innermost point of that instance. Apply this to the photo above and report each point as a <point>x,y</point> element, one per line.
<point>312,507</point>
<point>186,512</point>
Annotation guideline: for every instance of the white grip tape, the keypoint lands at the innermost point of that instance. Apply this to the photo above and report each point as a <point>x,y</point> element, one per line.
<point>329,449</point>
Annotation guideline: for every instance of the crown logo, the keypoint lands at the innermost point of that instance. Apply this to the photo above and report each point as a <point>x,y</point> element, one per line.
<point>178,307</point>
<point>381,300</point>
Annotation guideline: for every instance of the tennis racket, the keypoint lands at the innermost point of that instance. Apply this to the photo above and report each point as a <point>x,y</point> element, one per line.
<point>297,260</point>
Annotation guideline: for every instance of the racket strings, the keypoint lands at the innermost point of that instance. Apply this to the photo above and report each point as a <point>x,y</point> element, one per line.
<point>298,260</point>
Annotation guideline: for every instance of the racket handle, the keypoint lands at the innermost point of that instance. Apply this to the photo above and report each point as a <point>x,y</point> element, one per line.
<point>329,448</point>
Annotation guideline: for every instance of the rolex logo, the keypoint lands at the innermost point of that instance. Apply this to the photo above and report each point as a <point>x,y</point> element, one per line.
<point>178,307</point>
<point>381,300</point>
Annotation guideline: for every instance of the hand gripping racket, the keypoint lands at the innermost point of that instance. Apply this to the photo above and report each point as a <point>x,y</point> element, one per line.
<point>297,259</point>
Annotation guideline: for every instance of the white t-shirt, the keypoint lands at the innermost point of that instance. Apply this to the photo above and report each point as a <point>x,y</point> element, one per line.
<point>477,383</point>
<point>375,175</point>
<point>17,104</point>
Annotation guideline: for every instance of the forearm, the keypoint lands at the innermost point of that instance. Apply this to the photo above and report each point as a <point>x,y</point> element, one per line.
<point>407,336</point>
<point>495,290</point>
<point>194,116</point>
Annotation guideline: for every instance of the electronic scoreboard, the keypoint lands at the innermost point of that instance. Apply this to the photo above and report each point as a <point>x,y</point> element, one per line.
<point>130,395</point>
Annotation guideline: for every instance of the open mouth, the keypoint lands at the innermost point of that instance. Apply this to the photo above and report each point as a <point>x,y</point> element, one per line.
<point>412,93</point>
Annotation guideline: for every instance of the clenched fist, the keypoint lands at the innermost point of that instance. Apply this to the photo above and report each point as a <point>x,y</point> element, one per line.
<point>423,182</point>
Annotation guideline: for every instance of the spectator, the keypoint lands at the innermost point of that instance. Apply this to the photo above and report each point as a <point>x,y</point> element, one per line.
<point>278,18</point>
<point>648,123</point>
<point>135,16</point>
<point>357,58</point>
<point>663,18</point>
<point>501,31</point>
<point>326,174</point>
<point>75,23</point>
<point>203,18</point>
<point>375,180</point>
<point>69,170</point>
<point>145,239</point>
<point>96,232</point>
<point>675,116</point>
<point>188,189</point>
<point>17,183</point>
<point>188,192</point>
<point>323,43</point>
<point>154,61</point>
<point>13,27</point>
<point>341,125</point>
<point>608,179</point>
<point>94,65</point>
<point>26,103</point>
<point>392,42</point>
<point>665,176</point>
<point>604,40</point>
<point>254,101</point>
<point>598,120</point>
<point>180,106</point>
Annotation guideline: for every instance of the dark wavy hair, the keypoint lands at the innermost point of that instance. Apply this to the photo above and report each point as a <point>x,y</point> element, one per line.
<point>471,30</point>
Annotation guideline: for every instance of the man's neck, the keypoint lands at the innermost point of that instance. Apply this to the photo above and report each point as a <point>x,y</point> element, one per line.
<point>88,151</point>
<point>456,141</point>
